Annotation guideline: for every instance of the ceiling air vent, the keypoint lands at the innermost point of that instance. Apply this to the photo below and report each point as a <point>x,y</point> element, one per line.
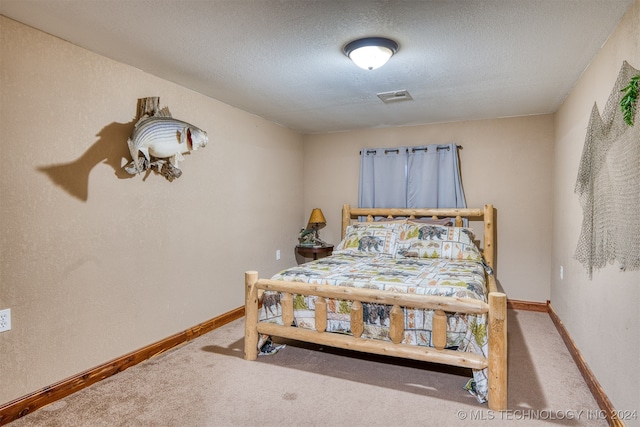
<point>394,96</point>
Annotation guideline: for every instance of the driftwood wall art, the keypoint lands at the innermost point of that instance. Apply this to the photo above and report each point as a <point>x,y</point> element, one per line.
<point>162,140</point>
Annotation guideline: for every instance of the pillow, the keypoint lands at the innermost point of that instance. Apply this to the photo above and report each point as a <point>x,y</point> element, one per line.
<point>370,238</point>
<point>435,241</point>
<point>388,220</point>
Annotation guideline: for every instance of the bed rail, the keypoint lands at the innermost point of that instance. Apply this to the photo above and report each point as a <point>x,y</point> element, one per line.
<point>358,296</point>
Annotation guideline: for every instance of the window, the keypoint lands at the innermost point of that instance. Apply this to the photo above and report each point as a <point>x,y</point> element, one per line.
<point>411,177</point>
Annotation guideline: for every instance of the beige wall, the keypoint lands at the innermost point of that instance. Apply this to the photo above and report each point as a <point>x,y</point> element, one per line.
<point>95,264</point>
<point>506,162</point>
<point>603,314</point>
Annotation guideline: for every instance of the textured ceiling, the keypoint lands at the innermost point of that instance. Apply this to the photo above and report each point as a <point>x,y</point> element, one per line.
<point>283,60</point>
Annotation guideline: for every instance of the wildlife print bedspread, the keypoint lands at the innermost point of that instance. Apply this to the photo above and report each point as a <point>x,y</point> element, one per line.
<point>428,276</point>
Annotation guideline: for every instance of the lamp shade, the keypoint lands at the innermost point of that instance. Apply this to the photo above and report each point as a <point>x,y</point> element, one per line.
<point>371,53</point>
<point>317,217</point>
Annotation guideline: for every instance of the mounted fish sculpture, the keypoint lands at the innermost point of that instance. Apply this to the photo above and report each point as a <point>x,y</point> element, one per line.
<point>162,140</point>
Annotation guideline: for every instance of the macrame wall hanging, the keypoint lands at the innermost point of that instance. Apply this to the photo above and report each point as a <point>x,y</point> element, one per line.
<point>608,183</point>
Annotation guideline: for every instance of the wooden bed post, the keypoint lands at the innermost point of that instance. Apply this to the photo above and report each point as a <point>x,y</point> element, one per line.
<point>489,231</point>
<point>497,369</point>
<point>346,219</point>
<point>250,315</point>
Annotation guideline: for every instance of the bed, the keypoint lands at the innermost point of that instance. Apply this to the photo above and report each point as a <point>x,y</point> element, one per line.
<point>408,283</point>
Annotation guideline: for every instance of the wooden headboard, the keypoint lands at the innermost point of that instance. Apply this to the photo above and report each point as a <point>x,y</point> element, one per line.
<point>486,214</point>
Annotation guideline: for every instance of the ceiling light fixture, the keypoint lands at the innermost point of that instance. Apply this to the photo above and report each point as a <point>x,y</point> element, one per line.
<point>371,52</point>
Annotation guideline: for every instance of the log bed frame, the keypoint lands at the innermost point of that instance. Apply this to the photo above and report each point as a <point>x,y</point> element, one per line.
<point>496,362</point>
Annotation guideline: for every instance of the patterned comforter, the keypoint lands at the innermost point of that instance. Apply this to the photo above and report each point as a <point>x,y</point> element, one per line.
<point>428,276</point>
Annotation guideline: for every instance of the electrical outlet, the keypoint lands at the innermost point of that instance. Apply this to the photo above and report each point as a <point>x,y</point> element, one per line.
<point>278,255</point>
<point>5,320</point>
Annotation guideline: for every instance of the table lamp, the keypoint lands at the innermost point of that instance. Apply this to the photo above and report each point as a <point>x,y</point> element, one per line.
<point>316,220</point>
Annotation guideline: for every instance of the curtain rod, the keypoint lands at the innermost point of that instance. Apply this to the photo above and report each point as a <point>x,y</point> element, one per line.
<point>413,150</point>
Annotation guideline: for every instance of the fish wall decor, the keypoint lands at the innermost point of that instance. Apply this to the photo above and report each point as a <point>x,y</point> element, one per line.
<point>162,140</point>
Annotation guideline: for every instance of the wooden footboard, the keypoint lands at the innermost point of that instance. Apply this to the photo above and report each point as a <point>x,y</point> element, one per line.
<point>496,309</point>
<point>496,362</point>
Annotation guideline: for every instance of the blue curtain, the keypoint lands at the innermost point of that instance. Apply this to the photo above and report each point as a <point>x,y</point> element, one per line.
<point>414,177</point>
<point>383,182</point>
<point>434,177</point>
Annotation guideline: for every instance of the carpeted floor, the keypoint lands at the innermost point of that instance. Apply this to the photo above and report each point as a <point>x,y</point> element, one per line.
<point>207,383</point>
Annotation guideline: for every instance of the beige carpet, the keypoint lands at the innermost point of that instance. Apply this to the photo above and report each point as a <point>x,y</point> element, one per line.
<point>207,383</point>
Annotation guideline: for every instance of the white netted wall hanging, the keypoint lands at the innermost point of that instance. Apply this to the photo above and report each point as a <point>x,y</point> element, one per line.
<point>608,186</point>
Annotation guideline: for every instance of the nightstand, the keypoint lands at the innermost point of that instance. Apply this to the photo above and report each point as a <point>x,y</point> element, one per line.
<point>314,252</point>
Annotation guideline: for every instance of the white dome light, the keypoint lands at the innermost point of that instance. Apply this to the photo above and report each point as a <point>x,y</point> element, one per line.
<point>370,53</point>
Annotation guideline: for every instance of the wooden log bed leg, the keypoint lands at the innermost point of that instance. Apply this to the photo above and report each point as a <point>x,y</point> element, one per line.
<point>250,315</point>
<point>497,369</point>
